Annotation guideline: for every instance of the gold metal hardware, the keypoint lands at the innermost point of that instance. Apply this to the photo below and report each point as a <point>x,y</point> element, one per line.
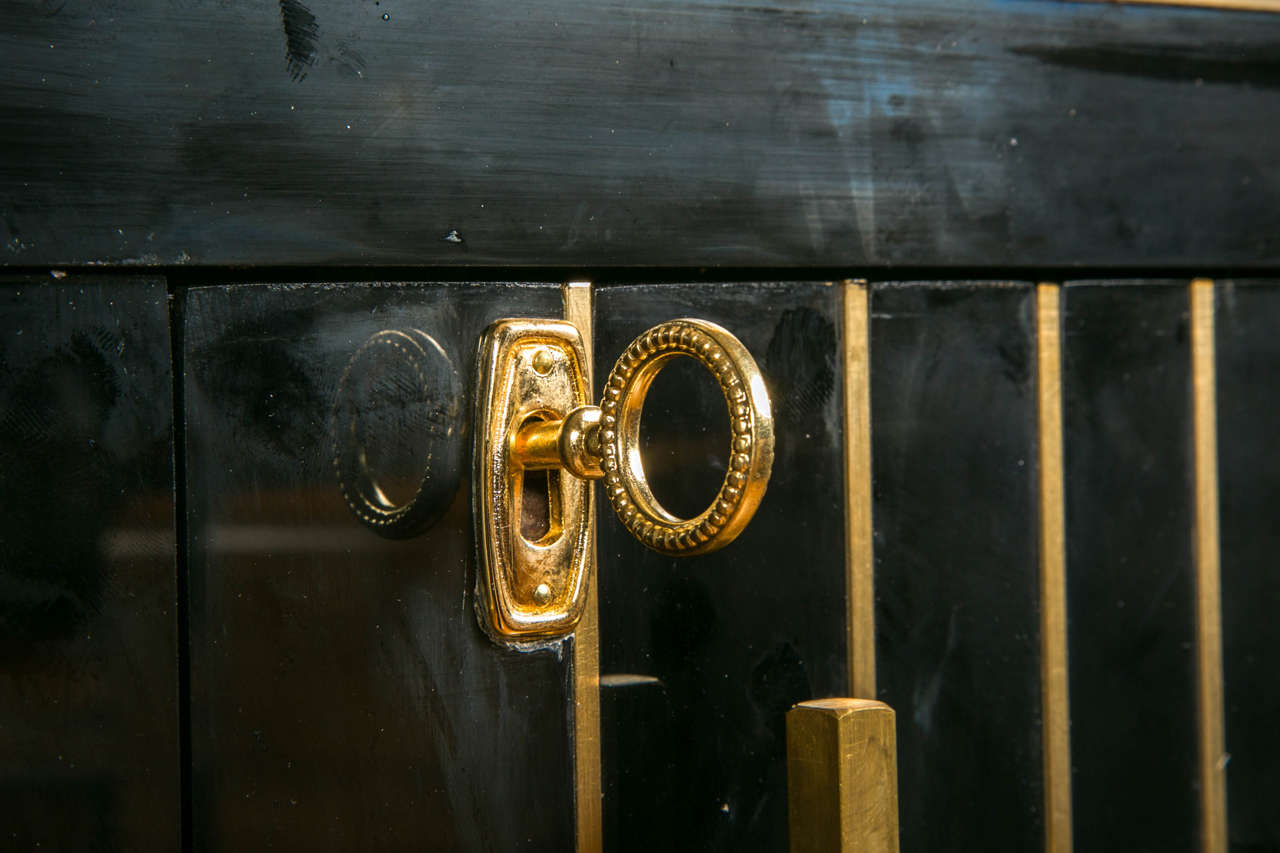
<point>751,424</point>
<point>533,415</point>
<point>842,777</point>
<point>532,374</point>
<point>572,443</point>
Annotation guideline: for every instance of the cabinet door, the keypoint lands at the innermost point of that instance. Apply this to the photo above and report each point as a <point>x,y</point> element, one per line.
<point>343,695</point>
<point>957,615</point>
<point>701,657</point>
<point>1248,358</point>
<point>1038,465</point>
<point>89,744</point>
<point>975,487</point>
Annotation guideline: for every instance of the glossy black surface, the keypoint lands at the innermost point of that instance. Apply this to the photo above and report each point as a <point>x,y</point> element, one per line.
<point>1131,625</point>
<point>1248,356</point>
<point>395,432</point>
<point>701,657</point>
<point>343,694</point>
<point>574,132</point>
<point>955,512</point>
<point>89,754</point>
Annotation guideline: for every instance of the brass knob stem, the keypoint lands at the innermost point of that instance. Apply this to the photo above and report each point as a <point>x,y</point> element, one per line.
<point>571,443</point>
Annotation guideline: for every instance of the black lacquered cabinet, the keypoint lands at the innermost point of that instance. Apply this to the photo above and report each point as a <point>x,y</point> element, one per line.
<point>342,691</point>
<point>89,688</point>
<point>1007,272</point>
<point>208,647</point>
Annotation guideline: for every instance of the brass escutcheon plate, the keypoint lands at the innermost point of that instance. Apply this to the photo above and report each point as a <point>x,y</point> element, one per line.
<point>529,371</point>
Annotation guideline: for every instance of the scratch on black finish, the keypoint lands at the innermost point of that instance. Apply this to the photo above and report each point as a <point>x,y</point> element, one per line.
<point>955,499</point>
<point>1131,624</point>
<point>1248,358</point>
<point>725,643</point>
<point>300,33</point>
<point>88,660</point>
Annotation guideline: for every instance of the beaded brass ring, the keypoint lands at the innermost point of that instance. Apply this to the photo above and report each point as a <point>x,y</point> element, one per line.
<point>751,426</point>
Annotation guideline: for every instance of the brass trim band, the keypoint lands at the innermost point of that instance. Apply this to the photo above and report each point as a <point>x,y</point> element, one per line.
<point>1055,719</point>
<point>1221,5</point>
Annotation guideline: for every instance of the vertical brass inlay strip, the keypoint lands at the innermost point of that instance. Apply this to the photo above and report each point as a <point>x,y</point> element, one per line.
<point>1053,578</point>
<point>1213,790</point>
<point>588,791</point>
<point>859,566</point>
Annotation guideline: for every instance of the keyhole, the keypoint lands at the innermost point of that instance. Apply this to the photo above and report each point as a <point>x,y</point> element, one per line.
<point>539,501</point>
<point>540,506</point>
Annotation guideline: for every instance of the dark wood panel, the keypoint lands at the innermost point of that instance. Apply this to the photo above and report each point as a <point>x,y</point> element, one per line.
<point>343,694</point>
<point>1127,441</point>
<point>955,515</point>
<point>1248,355</point>
<point>566,132</point>
<point>701,657</point>
<point>89,752</point>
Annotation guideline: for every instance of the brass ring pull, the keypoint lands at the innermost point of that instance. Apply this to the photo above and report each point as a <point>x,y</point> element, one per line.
<point>533,413</point>
<point>751,424</point>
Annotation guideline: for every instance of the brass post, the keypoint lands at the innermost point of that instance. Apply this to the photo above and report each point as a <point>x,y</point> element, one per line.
<point>842,777</point>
